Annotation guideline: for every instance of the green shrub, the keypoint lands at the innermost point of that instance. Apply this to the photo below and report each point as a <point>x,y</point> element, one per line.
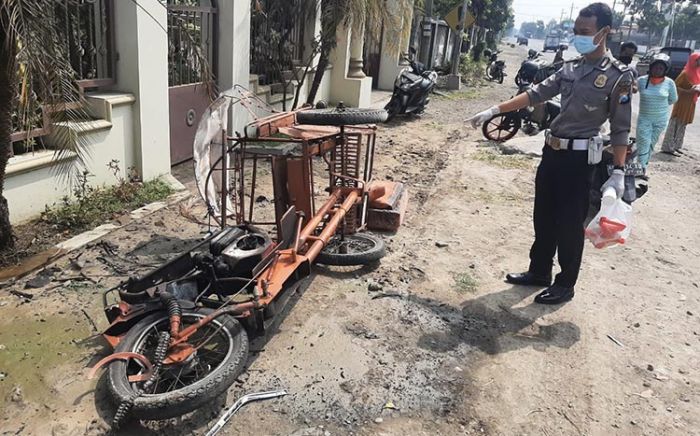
<point>90,207</point>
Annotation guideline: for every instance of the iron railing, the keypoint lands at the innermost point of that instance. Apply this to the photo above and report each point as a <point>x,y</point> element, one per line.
<point>86,27</point>
<point>276,39</point>
<point>89,39</point>
<point>192,40</point>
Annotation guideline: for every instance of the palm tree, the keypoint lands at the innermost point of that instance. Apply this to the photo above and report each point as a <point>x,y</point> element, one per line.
<point>336,13</point>
<point>34,62</point>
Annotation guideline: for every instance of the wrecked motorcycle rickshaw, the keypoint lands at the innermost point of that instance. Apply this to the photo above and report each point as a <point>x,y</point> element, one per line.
<point>180,333</point>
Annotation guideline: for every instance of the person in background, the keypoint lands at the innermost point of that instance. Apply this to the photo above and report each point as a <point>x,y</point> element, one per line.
<point>627,51</point>
<point>688,85</point>
<point>656,94</point>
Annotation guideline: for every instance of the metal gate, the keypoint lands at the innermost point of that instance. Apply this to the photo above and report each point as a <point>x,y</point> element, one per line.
<point>192,55</point>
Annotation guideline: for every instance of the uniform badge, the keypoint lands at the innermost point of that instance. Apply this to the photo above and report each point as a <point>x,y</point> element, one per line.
<point>600,81</point>
<point>624,87</point>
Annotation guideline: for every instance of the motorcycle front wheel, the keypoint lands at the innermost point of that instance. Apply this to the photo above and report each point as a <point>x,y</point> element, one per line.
<point>488,72</point>
<point>392,108</point>
<point>501,127</point>
<point>219,356</point>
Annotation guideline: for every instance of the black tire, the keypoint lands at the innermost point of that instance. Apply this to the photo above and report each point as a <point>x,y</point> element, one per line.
<point>501,127</point>
<point>341,116</point>
<point>364,249</point>
<point>192,396</point>
<point>500,77</point>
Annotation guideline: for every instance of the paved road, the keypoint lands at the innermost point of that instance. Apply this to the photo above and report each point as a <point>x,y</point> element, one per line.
<point>692,138</point>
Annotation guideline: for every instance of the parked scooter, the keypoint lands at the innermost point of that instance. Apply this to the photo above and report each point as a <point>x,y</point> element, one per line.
<point>412,88</point>
<point>531,120</point>
<point>495,70</point>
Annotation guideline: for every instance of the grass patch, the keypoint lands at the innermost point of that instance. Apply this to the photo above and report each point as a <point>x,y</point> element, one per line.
<point>473,75</point>
<point>465,282</point>
<point>500,160</point>
<point>473,72</point>
<point>93,206</point>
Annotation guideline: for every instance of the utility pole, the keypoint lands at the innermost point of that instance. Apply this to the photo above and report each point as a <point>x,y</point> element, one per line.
<point>428,8</point>
<point>457,45</point>
<point>673,16</point>
<point>454,80</point>
<point>561,18</point>
<point>571,14</point>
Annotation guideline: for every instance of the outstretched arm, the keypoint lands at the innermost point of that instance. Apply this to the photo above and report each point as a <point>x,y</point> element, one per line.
<point>535,95</point>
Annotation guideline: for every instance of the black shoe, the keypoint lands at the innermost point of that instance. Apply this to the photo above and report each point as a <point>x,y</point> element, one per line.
<point>528,279</point>
<point>555,294</point>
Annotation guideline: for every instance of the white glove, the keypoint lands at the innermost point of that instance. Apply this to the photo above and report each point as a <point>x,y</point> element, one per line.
<point>484,116</point>
<point>615,181</point>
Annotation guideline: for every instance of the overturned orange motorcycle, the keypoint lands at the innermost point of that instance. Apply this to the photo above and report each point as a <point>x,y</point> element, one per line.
<point>181,333</point>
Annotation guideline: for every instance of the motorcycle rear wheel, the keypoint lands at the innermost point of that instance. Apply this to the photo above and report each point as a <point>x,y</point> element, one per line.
<point>501,127</point>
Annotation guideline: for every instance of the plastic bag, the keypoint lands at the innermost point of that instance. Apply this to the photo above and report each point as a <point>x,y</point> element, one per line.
<point>612,225</point>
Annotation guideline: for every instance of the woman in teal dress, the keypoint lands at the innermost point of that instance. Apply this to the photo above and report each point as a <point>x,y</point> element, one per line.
<point>657,93</point>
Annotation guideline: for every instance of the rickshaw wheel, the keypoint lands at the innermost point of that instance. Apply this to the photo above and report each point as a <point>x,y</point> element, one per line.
<point>349,250</point>
<point>341,116</point>
<point>501,127</point>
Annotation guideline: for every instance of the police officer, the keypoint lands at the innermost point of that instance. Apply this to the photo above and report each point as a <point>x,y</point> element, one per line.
<point>594,88</point>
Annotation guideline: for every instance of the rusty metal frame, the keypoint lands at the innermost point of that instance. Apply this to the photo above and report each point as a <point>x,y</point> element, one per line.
<point>279,266</point>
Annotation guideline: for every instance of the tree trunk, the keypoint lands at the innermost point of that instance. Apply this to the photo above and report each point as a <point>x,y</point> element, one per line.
<point>6,98</point>
<point>318,74</point>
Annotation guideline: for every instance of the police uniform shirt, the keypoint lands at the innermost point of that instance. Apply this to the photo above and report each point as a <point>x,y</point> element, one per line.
<point>590,95</point>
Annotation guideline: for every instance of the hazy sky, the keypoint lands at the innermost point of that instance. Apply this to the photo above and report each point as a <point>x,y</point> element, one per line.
<point>545,10</point>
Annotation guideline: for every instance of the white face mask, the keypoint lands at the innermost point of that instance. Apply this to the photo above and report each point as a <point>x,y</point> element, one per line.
<point>585,44</point>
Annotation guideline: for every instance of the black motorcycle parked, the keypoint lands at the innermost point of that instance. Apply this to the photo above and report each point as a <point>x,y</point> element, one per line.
<point>412,88</point>
<point>496,68</point>
<point>531,120</point>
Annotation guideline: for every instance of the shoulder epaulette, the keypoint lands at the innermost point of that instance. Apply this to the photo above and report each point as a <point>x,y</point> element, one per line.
<point>621,66</point>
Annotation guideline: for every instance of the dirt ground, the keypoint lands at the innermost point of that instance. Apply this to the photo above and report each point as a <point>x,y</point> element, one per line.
<point>431,340</point>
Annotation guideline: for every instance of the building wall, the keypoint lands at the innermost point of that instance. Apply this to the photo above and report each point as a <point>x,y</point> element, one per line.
<point>141,42</point>
<point>351,91</point>
<point>32,181</point>
<point>132,118</point>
